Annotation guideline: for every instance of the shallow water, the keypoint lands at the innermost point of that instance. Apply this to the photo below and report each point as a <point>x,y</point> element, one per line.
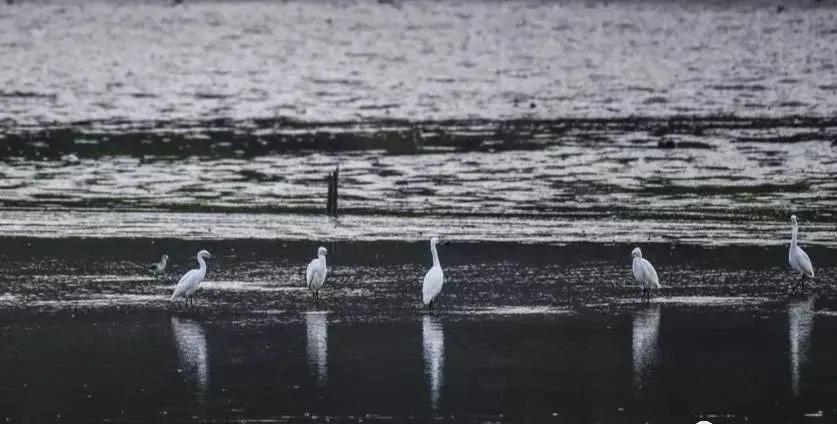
<point>624,185</point>
<point>654,363</point>
<point>522,332</point>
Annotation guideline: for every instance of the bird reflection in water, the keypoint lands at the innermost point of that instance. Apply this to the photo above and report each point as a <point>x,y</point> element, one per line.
<point>644,341</point>
<point>433,340</point>
<point>190,339</point>
<point>316,328</point>
<point>800,323</point>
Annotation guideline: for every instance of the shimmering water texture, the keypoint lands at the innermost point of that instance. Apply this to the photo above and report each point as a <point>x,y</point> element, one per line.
<point>314,61</point>
<point>731,181</point>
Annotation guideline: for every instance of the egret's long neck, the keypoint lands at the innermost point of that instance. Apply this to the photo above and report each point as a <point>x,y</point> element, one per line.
<point>201,262</point>
<point>323,260</point>
<point>435,255</point>
<point>794,232</point>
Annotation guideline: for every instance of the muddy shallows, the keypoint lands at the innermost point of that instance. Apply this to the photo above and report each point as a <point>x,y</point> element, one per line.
<point>522,332</point>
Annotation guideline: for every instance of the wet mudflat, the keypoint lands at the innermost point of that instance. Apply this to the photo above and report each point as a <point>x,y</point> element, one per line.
<point>523,332</point>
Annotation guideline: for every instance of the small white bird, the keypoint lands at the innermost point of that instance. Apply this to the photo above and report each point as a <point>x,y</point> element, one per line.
<point>434,278</point>
<point>799,260</point>
<point>315,275</point>
<point>645,274</point>
<point>190,281</point>
<point>160,267</point>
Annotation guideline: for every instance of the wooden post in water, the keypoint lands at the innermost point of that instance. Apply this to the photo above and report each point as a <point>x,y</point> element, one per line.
<point>331,202</point>
<point>329,180</point>
<point>334,194</point>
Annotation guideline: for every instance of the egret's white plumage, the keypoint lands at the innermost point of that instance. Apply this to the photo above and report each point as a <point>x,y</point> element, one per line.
<point>434,278</point>
<point>315,275</point>
<point>160,267</point>
<point>798,259</point>
<point>644,273</point>
<point>190,281</point>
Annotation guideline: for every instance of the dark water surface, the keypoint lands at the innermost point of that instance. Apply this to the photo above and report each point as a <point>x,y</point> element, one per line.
<point>653,363</point>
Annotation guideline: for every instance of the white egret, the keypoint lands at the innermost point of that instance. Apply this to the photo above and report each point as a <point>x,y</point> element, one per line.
<point>799,260</point>
<point>645,274</point>
<point>160,267</point>
<point>315,275</point>
<point>190,281</point>
<point>434,278</point>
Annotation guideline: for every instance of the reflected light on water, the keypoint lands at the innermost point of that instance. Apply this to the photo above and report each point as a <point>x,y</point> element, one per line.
<point>316,329</point>
<point>190,340</point>
<point>433,340</point>
<point>800,323</point>
<point>644,344</point>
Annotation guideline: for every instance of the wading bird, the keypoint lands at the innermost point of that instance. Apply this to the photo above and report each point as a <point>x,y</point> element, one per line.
<point>190,281</point>
<point>315,275</point>
<point>433,279</point>
<point>799,260</point>
<point>645,274</point>
<point>160,267</point>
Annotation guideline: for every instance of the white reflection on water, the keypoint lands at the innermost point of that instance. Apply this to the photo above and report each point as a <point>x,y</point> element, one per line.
<point>190,339</point>
<point>800,323</point>
<point>644,343</point>
<point>433,340</point>
<point>316,328</point>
